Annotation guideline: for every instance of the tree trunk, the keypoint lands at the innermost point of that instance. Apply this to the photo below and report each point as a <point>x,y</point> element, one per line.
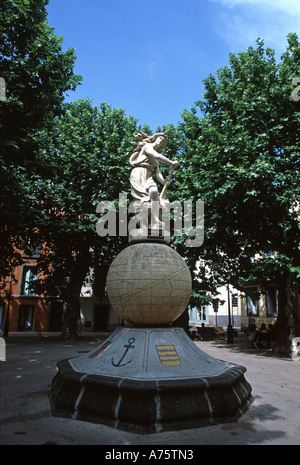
<point>70,318</point>
<point>288,321</point>
<point>72,298</point>
<point>293,307</point>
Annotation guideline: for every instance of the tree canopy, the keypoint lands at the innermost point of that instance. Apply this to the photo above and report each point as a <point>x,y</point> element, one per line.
<point>85,156</point>
<point>241,152</point>
<point>37,74</point>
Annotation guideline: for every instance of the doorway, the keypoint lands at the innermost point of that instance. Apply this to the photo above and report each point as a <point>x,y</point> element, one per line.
<point>101,317</point>
<point>26,316</point>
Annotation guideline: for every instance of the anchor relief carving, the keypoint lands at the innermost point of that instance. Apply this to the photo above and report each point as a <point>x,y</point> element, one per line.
<point>128,346</point>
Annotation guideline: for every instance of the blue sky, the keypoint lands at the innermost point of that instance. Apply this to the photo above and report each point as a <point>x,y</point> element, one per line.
<point>150,57</point>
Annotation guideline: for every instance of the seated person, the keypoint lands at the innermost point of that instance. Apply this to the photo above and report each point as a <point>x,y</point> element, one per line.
<point>263,337</point>
<point>194,332</point>
<point>253,335</point>
<point>271,332</point>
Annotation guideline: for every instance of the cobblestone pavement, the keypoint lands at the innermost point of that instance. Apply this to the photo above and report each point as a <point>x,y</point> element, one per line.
<point>273,416</point>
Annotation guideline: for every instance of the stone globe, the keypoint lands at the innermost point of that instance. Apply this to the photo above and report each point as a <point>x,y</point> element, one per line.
<point>149,284</point>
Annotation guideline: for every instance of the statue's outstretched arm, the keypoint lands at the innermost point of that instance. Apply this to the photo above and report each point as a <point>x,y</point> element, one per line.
<point>158,157</point>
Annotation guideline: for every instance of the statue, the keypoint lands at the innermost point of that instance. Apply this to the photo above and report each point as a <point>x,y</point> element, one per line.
<point>149,377</point>
<point>145,177</point>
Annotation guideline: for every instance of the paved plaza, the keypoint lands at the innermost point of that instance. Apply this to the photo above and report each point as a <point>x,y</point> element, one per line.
<point>273,417</point>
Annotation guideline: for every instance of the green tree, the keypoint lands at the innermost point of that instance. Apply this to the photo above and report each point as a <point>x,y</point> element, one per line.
<point>182,190</point>
<point>241,155</point>
<point>37,74</point>
<point>85,155</point>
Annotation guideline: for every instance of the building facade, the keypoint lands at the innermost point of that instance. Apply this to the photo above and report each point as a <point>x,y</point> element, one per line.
<point>21,310</point>
<point>218,315</point>
<point>27,311</point>
<point>262,305</point>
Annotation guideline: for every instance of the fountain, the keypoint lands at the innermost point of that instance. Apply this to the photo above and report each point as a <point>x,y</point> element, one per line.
<point>149,376</point>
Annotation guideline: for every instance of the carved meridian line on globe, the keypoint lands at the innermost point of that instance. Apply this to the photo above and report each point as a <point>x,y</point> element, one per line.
<point>156,261</point>
<point>117,276</point>
<point>123,311</point>
<point>153,283</point>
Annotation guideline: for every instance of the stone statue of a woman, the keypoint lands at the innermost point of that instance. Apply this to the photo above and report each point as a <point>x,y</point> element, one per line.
<point>145,176</point>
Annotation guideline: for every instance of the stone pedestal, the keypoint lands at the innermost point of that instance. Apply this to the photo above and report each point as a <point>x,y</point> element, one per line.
<point>149,377</point>
<point>149,380</point>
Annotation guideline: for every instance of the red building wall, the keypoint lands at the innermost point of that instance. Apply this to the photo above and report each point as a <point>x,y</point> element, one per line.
<point>26,312</point>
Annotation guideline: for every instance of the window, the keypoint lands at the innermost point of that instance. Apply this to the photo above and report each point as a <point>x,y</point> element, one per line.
<point>201,311</point>
<point>252,301</point>
<point>272,302</point>
<point>31,250</point>
<point>28,277</point>
<point>235,300</point>
<point>26,315</point>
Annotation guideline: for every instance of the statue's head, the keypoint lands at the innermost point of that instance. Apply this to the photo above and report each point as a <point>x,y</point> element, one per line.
<point>159,140</point>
